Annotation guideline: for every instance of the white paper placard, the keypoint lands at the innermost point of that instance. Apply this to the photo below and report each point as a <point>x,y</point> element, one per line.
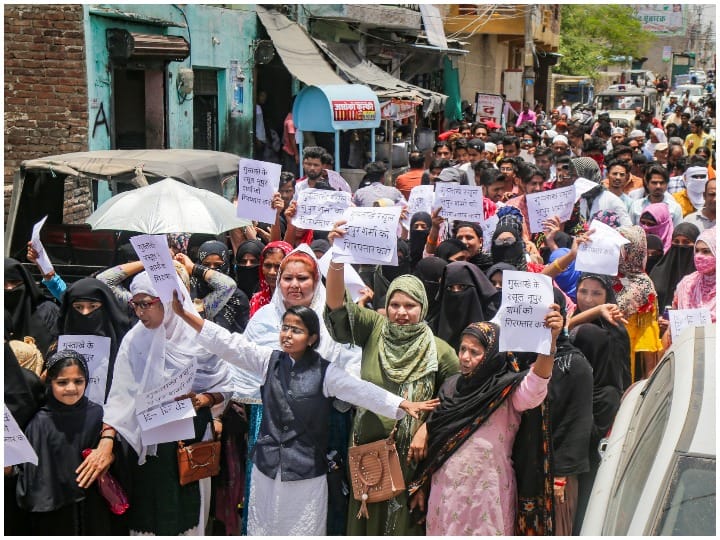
<point>546,204</point>
<point>153,251</point>
<point>353,281</point>
<point>165,414</point>
<point>420,200</point>
<point>258,181</point>
<point>526,299</point>
<point>42,259</point>
<point>682,318</point>
<point>601,255</point>
<point>96,350</point>
<point>319,209</point>
<point>177,386</point>
<point>337,181</point>
<point>459,203</point>
<point>174,431</point>
<point>17,448</point>
<point>582,185</point>
<point>488,228</point>
<point>371,235</point>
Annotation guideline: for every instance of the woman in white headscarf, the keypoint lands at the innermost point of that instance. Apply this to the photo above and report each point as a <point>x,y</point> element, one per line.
<point>157,349</point>
<point>657,135</point>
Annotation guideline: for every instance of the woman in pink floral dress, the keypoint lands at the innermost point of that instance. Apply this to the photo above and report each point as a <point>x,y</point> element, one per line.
<point>469,471</point>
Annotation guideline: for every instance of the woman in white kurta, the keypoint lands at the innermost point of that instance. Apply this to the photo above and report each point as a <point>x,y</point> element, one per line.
<point>277,506</point>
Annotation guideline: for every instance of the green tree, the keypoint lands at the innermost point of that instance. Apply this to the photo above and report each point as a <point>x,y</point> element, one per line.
<point>591,34</point>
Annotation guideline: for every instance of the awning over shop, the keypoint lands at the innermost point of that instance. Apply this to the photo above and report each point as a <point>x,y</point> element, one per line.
<point>359,70</point>
<point>297,50</point>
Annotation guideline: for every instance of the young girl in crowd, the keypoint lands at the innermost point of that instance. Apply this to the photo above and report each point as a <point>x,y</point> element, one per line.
<point>59,432</point>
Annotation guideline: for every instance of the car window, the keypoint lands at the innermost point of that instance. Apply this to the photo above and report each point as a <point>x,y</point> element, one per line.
<point>689,504</point>
<point>645,434</point>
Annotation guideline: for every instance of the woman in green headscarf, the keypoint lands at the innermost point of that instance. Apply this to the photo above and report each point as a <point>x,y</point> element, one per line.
<point>400,354</point>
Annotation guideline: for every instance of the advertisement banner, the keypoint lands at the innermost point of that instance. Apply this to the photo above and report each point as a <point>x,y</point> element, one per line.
<point>353,110</point>
<point>666,19</point>
<point>398,109</point>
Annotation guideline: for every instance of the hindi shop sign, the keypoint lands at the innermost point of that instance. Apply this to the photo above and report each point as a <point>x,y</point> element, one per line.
<point>351,110</point>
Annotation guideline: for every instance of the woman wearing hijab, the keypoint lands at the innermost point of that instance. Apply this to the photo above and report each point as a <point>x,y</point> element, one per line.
<point>66,425</point>
<point>452,250</point>
<point>571,405</point>
<point>597,329</point>
<point>90,308</point>
<point>384,274</point>
<point>231,311</point>
<point>247,264</point>
<point>468,477</point>
<point>465,293</point>
<point>420,224</point>
<point>698,289</point>
<point>657,135</point>
<point>655,252</point>
<point>495,275</point>
<point>637,300</point>
<point>400,354</point>
<point>157,349</point>
<point>32,315</point>
<point>430,270</point>
<point>270,259</point>
<point>677,263</point>
<point>655,219</point>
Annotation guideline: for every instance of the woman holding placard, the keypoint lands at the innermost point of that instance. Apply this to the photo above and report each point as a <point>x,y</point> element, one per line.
<point>401,354</point>
<point>468,480</point>
<point>154,353</point>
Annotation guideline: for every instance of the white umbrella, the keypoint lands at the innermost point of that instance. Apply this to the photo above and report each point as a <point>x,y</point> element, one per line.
<point>167,206</point>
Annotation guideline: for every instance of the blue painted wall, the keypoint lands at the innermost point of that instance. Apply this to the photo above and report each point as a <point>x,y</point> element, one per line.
<point>230,52</point>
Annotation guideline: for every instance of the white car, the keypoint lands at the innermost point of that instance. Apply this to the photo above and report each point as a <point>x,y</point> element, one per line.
<point>657,474</point>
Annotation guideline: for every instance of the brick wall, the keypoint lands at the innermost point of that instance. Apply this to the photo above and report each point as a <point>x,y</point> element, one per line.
<point>46,97</point>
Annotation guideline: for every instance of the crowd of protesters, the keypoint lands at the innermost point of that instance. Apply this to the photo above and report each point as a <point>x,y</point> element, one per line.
<point>291,371</point>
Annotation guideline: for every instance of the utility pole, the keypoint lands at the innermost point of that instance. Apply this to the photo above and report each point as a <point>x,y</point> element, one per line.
<point>529,58</point>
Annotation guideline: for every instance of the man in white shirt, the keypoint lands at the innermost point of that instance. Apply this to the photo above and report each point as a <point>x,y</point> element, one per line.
<point>656,183</point>
<point>565,109</point>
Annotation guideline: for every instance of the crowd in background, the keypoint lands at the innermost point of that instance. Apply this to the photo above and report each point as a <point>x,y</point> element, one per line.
<point>490,442</point>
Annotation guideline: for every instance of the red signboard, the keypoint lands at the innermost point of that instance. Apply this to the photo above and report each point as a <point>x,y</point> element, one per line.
<point>353,110</point>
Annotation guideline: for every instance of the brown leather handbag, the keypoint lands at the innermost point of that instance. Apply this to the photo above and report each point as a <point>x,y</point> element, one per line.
<point>375,472</point>
<point>198,460</point>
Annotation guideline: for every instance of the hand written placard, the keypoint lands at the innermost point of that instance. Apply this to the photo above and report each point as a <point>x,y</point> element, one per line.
<point>546,204</point>
<point>526,298</point>
<point>42,259</point>
<point>96,350</point>
<point>682,318</point>
<point>179,385</point>
<point>602,254</point>
<point>153,251</point>
<point>257,182</point>
<point>17,448</point>
<point>460,203</point>
<point>371,236</point>
<point>337,181</point>
<point>420,200</point>
<point>582,185</point>
<point>319,209</point>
